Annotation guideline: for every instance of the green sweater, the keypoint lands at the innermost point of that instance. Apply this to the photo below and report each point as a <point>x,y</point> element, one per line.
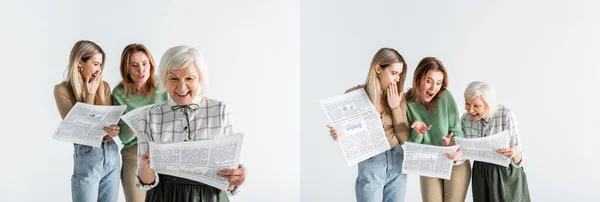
<point>443,120</point>
<point>132,102</point>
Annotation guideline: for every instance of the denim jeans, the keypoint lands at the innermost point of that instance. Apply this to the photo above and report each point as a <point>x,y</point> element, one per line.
<point>380,177</point>
<point>96,173</point>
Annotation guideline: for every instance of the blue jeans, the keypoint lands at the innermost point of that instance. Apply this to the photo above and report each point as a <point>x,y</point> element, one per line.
<point>96,173</point>
<point>380,177</point>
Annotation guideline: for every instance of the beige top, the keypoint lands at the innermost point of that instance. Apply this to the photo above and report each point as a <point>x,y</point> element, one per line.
<point>395,123</point>
<point>65,100</point>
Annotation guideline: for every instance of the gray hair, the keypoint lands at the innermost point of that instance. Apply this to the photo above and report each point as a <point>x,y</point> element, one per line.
<point>179,57</point>
<point>487,93</point>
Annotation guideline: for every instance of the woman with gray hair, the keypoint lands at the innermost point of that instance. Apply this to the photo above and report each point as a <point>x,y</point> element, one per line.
<point>485,117</point>
<point>187,115</point>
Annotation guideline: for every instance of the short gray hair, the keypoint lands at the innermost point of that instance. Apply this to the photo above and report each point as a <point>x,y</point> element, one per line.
<point>487,93</point>
<point>178,57</point>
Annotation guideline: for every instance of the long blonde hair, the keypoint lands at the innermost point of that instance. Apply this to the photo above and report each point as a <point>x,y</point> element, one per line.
<point>383,58</point>
<point>126,81</point>
<point>82,51</point>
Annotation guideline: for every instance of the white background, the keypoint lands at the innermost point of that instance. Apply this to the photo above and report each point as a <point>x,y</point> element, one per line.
<point>252,49</point>
<point>542,57</point>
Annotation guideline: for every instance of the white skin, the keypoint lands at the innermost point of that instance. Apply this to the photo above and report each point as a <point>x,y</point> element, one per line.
<point>182,85</point>
<point>430,87</point>
<point>477,109</point>
<point>91,71</point>
<point>388,79</point>
<point>139,70</point>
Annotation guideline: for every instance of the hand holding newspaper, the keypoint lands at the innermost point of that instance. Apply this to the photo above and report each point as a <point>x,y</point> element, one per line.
<point>359,125</point>
<point>427,160</point>
<point>484,148</point>
<point>198,160</point>
<point>84,124</point>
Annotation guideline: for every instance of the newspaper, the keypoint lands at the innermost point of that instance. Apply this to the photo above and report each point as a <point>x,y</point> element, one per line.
<point>361,134</point>
<point>484,148</point>
<point>135,118</point>
<point>427,160</point>
<point>198,160</point>
<point>84,124</point>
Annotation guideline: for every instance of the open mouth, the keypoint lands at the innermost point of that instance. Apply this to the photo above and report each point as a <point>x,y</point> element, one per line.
<point>429,95</point>
<point>141,76</point>
<point>182,95</point>
<point>94,75</point>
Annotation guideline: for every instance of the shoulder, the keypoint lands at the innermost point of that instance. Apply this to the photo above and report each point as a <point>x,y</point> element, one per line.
<point>355,88</point>
<point>447,95</point>
<point>106,85</point>
<point>159,108</point>
<point>504,112</point>
<point>465,117</point>
<point>62,90</point>
<point>213,103</point>
<point>119,90</point>
<point>61,87</point>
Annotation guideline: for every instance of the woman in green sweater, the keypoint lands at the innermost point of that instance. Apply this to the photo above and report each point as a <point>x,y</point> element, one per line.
<point>433,118</point>
<point>137,88</point>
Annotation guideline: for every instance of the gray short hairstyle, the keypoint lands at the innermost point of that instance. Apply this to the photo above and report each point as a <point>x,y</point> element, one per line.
<point>178,57</point>
<point>487,93</point>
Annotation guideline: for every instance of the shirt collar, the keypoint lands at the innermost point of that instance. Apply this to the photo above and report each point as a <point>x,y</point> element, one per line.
<point>484,121</point>
<point>197,100</point>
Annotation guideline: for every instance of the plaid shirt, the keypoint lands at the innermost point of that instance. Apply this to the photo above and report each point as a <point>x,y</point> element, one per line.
<point>166,122</point>
<point>503,119</point>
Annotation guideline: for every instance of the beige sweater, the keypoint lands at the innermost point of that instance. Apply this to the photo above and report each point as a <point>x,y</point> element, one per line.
<point>395,123</point>
<point>65,100</point>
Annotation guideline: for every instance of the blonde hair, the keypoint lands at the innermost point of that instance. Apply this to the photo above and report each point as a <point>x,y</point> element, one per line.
<point>126,81</point>
<point>179,57</point>
<point>487,93</point>
<point>82,51</point>
<point>425,66</point>
<point>382,59</point>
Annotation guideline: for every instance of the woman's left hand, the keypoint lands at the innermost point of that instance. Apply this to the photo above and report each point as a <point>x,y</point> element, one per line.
<point>447,140</point>
<point>514,153</point>
<point>455,156</point>
<point>235,177</point>
<point>112,130</point>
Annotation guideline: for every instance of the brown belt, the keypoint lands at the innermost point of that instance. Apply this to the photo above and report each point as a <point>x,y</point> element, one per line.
<point>106,139</point>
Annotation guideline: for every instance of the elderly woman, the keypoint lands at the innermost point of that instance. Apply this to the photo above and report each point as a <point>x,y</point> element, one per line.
<point>186,116</point>
<point>486,117</point>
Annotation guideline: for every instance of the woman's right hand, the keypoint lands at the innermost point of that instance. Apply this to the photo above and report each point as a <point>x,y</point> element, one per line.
<point>333,132</point>
<point>146,174</point>
<point>146,160</point>
<point>91,84</point>
<point>420,127</point>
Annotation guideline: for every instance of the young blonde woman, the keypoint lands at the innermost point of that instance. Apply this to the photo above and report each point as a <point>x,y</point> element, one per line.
<point>380,177</point>
<point>138,88</point>
<point>96,170</point>
<point>187,115</point>
<point>434,119</point>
